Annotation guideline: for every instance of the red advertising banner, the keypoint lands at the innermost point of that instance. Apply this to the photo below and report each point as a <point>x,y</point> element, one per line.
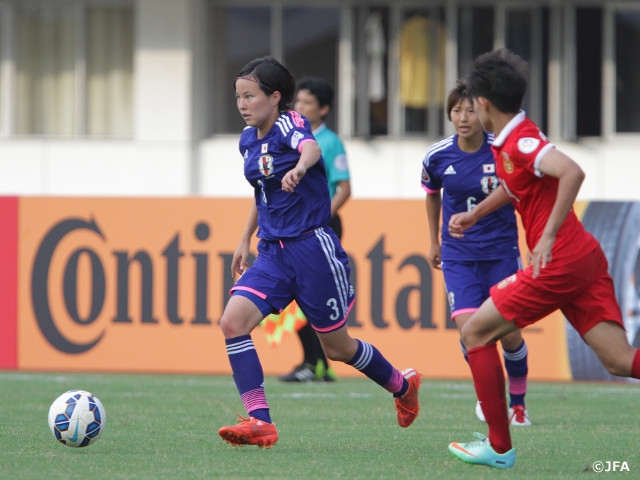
<point>8,281</point>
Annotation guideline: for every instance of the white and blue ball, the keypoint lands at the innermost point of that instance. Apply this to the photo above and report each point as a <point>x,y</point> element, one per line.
<point>77,418</point>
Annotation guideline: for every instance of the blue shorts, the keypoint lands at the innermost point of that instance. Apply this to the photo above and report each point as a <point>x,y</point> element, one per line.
<point>468,282</point>
<point>312,269</point>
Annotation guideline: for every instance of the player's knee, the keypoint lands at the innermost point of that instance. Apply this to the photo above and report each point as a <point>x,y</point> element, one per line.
<point>227,327</point>
<point>231,328</point>
<point>470,339</point>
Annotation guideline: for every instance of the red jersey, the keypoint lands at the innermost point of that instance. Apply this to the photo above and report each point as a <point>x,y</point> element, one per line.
<point>518,151</point>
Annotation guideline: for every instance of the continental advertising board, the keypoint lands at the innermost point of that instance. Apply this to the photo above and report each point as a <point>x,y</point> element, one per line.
<point>139,284</point>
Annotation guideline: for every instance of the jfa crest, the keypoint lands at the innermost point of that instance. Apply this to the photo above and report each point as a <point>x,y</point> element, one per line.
<point>489,184</point>
<point>265,164</point>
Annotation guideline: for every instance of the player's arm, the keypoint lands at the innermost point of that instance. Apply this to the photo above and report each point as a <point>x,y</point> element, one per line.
<point>433,204</point>
<point>465,220</point>
<point>239,263</point>
<point>343,192</point>
<point>309,155</point>
<point>570,177</point>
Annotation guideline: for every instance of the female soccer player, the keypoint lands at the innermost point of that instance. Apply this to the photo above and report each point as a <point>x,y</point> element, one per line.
<point>298,258</point>
<point>462,166</point>
<point>568,269</point>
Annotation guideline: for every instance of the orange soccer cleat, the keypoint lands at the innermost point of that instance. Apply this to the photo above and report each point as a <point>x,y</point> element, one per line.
<point>408,405</point>
<point>250,431</point>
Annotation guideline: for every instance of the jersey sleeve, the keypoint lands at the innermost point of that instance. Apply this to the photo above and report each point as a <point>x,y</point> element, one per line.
<point>243,142</point>
<point>295,129</point>
<point>430,182</point>
<point>529,149</point>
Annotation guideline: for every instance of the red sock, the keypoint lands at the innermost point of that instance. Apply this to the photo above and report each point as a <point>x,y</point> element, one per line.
<point>488,379</point>
<point>635,366</point>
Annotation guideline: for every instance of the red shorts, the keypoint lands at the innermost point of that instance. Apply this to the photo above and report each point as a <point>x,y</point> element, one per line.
<point>582,289</point>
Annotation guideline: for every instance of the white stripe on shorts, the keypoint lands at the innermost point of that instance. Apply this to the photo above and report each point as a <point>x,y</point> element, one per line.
<point>338,269</point>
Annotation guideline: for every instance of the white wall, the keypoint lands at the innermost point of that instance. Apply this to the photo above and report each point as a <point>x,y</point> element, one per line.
<point>380,168</point>
<point>93,168</point>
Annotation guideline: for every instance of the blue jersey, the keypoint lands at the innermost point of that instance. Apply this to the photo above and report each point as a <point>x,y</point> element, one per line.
<point>266,161</point>
<point>466,179</point>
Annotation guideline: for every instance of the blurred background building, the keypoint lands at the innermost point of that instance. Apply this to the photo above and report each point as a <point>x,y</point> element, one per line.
<point>135,97</point>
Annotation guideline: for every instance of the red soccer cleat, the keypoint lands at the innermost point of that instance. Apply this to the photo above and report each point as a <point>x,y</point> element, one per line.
<point>250,431</point>
<point>408,405</point>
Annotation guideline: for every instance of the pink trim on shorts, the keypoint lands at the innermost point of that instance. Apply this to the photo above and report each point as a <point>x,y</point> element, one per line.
<point>462,311</point>
<point>250,290</point>
<point>338,325</point>
<point>332,327</point>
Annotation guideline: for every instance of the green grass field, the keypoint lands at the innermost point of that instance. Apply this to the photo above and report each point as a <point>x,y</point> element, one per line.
<point>165,426</point>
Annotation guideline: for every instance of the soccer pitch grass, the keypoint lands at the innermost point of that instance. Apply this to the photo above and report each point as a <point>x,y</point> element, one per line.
<point>165,427</point>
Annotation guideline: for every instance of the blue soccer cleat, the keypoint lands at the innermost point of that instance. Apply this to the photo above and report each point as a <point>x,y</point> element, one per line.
<point>481,452</point>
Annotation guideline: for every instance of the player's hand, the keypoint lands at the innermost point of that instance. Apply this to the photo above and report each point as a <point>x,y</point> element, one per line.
<point>541,254</point>
<point>434,256</point>
<point>239,263</point>
<point>238,266</point>
<point>459,222</point>
<point>292,178</point>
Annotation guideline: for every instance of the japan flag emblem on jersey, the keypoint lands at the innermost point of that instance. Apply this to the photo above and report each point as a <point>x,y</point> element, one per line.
<point>489,184</point>
<point>265,164</point>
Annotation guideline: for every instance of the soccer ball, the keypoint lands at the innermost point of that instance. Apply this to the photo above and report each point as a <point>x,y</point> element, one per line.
<point>77,418</point>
